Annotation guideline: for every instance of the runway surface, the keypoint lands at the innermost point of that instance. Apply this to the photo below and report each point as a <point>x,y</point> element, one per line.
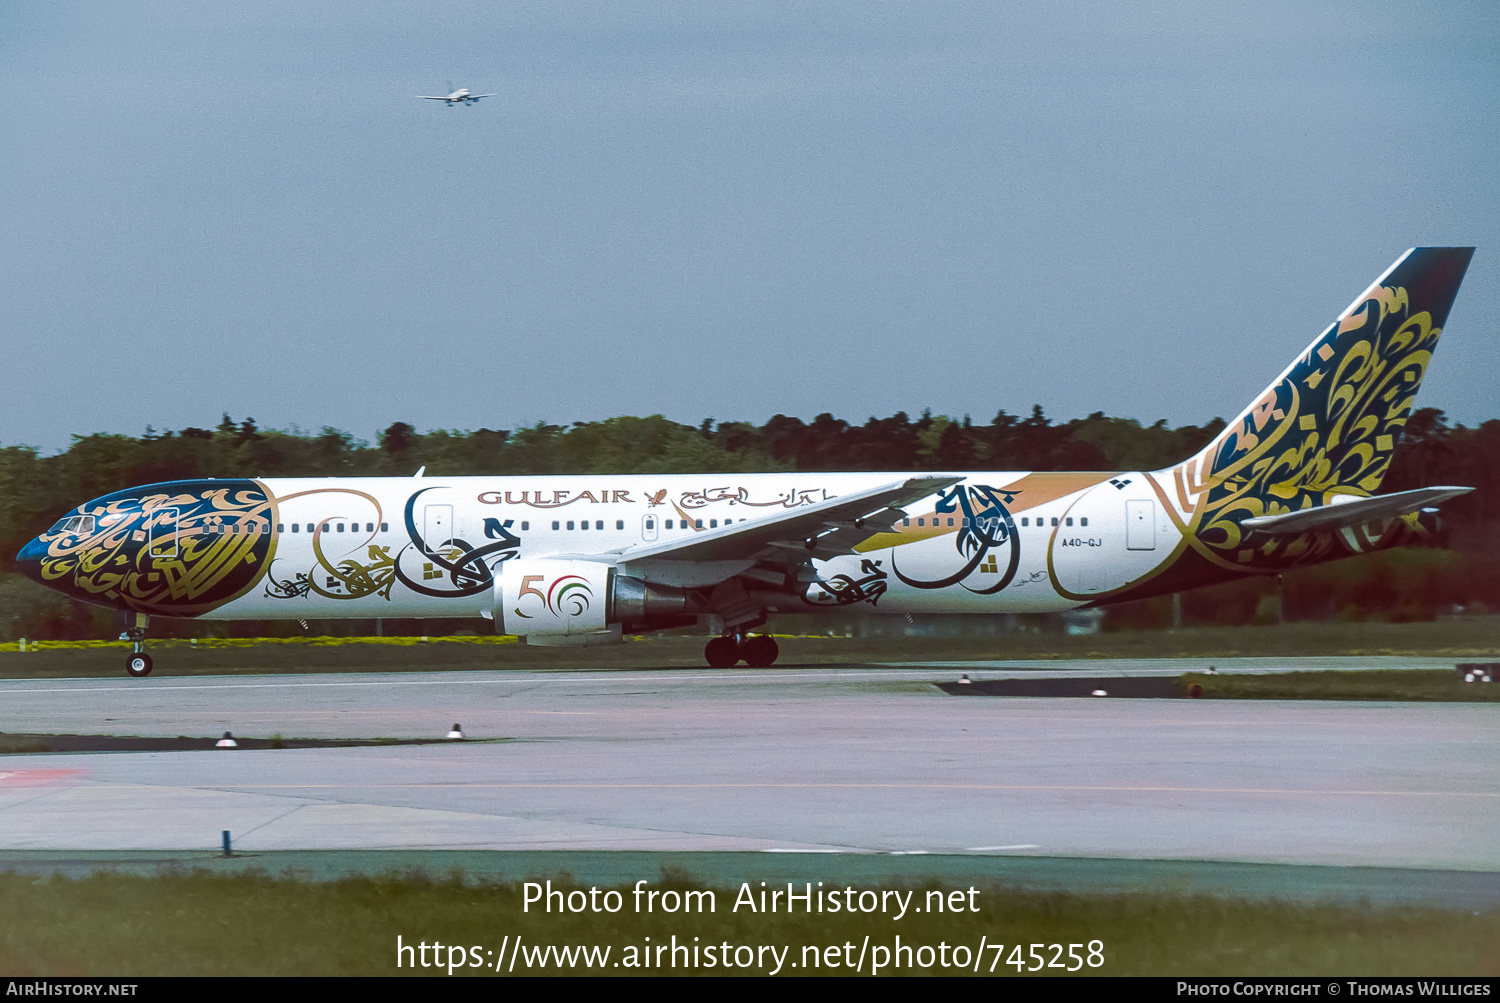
<point>873,759</point>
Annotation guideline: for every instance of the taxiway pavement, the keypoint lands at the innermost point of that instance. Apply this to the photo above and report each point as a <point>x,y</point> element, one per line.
<point>867,759</point>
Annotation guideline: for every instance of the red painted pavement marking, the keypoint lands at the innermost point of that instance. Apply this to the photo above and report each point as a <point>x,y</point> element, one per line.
<point>36,778</point>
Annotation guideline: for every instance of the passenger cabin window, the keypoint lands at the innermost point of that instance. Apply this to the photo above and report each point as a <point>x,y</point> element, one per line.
<point>1083,521</point>
<point>385,527</point>
<point>713,524</point>
<point>525,525</point>
<point>619,524</point>
<point>697,523</point>
<point>1054,520</point>
<point>598,523</point>
<point>555,524</point>
<point>281,527</point>
<point>1070,520</point>
<point>570,523</point>
<point>669,523</point>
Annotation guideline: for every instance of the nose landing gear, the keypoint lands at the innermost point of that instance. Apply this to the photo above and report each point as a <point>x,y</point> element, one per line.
<point>139,663</point>
<point>757,651</point>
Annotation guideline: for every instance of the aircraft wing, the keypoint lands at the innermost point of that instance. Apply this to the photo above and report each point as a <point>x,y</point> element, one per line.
<point>434,97</point>
<point>476,97</point>
<point>821,530</point>
<point>1353,513</point>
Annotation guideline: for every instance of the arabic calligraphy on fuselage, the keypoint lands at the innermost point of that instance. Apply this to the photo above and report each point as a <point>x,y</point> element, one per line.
<point>793,498</point>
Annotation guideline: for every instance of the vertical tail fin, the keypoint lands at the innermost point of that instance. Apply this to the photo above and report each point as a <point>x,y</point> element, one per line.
<point>1329,424</point>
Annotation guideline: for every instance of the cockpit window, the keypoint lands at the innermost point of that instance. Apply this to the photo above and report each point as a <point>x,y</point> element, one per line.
<point>81,525</point>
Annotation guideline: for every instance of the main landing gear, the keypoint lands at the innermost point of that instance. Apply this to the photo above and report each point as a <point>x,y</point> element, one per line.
<point>139,663</point>
<point>757,651</point>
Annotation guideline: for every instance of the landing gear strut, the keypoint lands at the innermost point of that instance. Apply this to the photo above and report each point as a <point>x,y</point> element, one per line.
<point>139,663</point>
<point>758,651</point>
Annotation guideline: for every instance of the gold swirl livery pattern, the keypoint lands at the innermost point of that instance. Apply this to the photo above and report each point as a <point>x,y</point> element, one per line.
<point>1328,427</point>
<point>176,549</point>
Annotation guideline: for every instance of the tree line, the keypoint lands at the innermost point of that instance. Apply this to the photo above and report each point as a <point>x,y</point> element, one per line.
<point>36,489</point>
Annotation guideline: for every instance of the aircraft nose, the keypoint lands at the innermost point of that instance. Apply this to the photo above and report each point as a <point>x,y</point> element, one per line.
<point>29,560</point>
<point>176,548</point>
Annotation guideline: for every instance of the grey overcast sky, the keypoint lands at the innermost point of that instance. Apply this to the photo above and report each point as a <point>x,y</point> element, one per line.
<point>721,210</point>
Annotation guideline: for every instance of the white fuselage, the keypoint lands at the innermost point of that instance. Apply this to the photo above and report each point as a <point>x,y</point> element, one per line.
<point>1072,537</point>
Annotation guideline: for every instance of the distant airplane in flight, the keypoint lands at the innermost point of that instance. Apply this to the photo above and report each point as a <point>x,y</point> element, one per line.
<point>460,96</point>
<point>586,559</point>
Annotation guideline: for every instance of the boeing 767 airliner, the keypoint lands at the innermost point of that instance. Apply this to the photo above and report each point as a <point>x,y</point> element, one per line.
<point>580,560</point>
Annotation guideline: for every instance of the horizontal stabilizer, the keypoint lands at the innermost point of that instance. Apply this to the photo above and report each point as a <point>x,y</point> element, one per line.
<point>1354,512</point>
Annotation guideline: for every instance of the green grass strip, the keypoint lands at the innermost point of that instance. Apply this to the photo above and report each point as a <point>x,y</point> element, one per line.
<point>217,643</point>
<point>1373,684</point>
<point>251,924</point>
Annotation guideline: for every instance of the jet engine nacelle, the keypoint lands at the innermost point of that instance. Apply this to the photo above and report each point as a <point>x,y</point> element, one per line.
<point>552,598</point>
<point>556,601</point>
